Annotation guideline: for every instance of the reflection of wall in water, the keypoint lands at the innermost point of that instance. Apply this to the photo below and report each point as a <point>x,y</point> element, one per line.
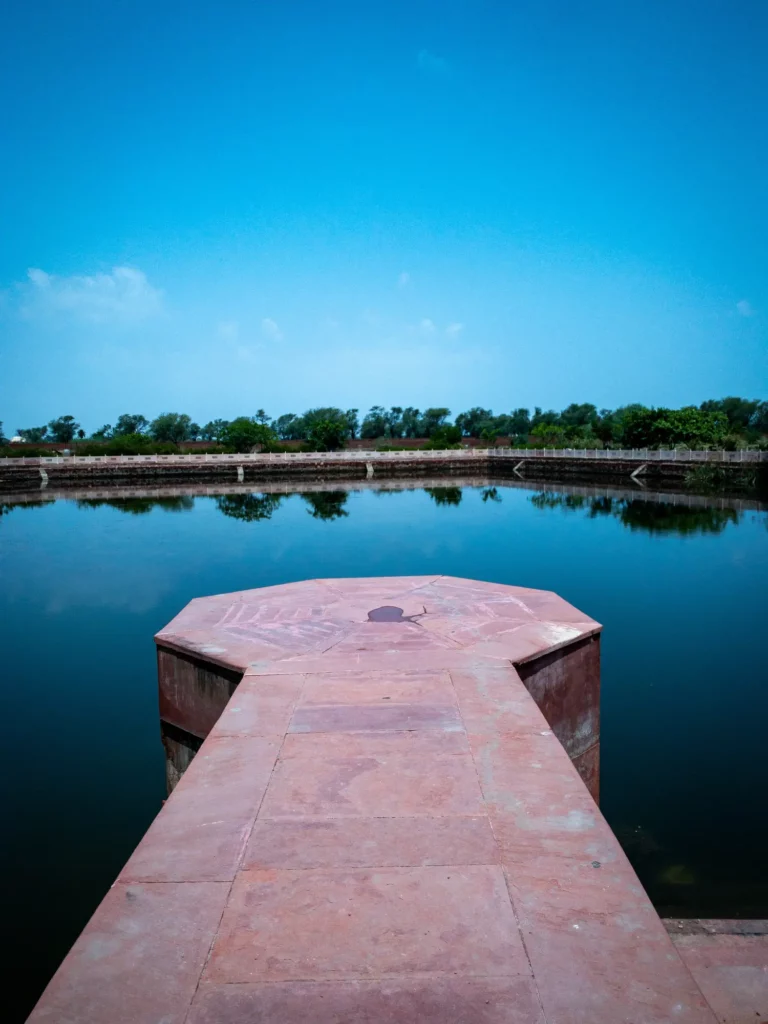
<point>180,747</point>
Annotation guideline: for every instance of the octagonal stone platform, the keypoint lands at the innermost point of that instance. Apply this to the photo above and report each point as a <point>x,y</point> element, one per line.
<point>381,815</point>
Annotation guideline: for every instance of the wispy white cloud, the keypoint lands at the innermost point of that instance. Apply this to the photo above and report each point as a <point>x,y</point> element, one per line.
<point>270,329</point>
<point>454,330</point>
<point>404,279</point>
<point>430,64</point>
<point>426,326</point>
<point>123,294</point>
<point>228,330</point>
<point>744,308</point>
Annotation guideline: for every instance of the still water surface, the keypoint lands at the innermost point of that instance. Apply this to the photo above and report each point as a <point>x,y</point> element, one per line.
<point>681,592</point>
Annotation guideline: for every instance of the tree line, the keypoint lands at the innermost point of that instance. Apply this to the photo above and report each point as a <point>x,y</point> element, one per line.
<point>726,422</point>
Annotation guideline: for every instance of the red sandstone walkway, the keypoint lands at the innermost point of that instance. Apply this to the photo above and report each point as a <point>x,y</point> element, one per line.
<point>381,827</point>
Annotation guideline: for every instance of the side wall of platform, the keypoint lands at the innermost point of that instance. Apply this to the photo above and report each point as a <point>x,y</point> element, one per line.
<point>564,683</point>
<point>192,695</point>
<point>566,686</point>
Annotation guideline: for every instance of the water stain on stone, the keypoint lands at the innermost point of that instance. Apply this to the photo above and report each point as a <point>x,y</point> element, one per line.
<point>389,613</point>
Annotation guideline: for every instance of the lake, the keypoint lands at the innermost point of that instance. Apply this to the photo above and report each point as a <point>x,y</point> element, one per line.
<point>681,592</point>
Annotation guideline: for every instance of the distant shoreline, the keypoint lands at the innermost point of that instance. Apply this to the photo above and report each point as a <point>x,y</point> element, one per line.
<point>685,474</point>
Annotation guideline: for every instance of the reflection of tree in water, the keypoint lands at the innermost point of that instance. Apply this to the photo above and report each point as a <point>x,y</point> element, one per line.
<point>250,508</point>
<point>140,506</point>
<point>6,507</point>
<point>326,504</point>
<point>674,519</point>
<point>550,499</point>
<point>653,516</point>
<point>490,494</point>
<point>445,495</point>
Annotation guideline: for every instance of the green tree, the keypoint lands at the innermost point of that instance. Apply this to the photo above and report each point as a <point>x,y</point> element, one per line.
<point>394,422</point>
<point>649,428</point>
<point>171,426</point>
<point>548,435</point>
<point>609,427</point>
<point>519,422</point>
<point>244,433</point>
<point>261,417</point>
<point>328,435</point>
<point>758,421</point>
<point>314,416</point>
<point>433,419</point>
<point>578,415</point>
<point>472,422</point>
<point>412,423</point>
<point>288,427</point>
<point>103,433</point>
<point>130,423</point>
<point>550,416</point>
<point>353,423</point>
<point>214,430</point>
<point>63,429</point>
<point>739,411</point>
<point>374,423</point>
<point>32,435</point>
<point>3,438</point>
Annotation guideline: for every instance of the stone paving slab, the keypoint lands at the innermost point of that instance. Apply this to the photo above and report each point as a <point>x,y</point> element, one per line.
<point>382,829</point>
<point>139,959</point>
<point>729,961</point>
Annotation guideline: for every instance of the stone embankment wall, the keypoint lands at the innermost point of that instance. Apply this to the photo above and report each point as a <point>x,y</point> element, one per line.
<point>81,473</point>
<point>652,467</point>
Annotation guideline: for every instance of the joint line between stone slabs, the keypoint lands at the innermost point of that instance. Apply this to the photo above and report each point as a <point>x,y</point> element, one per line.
<point>372,980</point>
<point>244,845</point>
<point>285,818</point>
<point>534,979</point>
<point>427,584</point>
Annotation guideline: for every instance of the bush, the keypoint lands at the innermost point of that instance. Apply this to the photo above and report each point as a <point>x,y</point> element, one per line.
<point>438,446</point>
<point>442,438</point>
<point>24,451</point>
<point>128,444</point>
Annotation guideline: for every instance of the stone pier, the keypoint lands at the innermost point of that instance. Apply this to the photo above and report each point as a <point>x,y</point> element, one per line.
<point>381,812</point>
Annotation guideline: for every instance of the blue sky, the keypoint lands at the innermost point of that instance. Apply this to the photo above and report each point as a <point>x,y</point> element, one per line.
<point>215,207</point>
